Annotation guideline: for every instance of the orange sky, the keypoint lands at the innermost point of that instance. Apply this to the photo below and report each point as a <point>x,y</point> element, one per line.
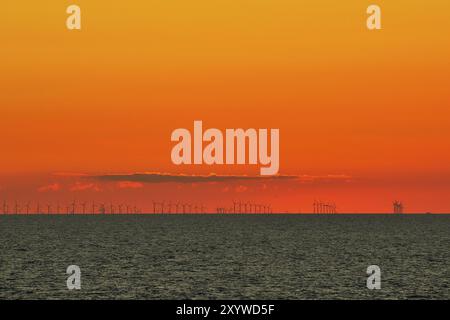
<point>363,115</point>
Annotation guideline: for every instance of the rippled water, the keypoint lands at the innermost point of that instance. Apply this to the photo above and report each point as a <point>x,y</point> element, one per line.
<point>224,257</point>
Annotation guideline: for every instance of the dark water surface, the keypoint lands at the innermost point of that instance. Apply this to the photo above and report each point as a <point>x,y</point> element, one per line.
<point>225,257</point>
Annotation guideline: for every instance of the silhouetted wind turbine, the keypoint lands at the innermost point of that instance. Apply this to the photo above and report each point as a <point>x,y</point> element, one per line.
<point>83,207</point>
<point>5,207</point>
<point>73,206</point>
<point>102,208</point>
<point>27,206</point>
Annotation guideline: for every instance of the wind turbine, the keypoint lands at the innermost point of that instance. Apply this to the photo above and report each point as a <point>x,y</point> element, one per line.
<point>83,206</point>
<point>73,206</point>
<point>102,209</point>
<point>48,208</point>
<point>397,206</point>
<point>27,206</point>
<point>5,207</point>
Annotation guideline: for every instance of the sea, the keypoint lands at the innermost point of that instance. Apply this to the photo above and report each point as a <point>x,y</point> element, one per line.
<point>293,256</point>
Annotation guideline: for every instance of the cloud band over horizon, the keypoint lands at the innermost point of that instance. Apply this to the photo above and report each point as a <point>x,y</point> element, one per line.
<point>182,178</point>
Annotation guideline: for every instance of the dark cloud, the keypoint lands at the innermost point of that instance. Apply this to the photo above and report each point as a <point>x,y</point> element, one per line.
<point>179,178</point>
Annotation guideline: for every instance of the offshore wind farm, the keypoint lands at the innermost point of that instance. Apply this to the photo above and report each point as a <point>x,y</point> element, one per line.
<point>163,207</point>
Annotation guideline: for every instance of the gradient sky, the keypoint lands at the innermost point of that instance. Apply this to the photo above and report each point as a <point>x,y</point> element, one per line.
<point>363,115</point>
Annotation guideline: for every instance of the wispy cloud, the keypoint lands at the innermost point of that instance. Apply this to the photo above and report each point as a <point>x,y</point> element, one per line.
<point>130,185</point>
<point>50,188</point>
<point>241,189</point>
<point>79,186</point>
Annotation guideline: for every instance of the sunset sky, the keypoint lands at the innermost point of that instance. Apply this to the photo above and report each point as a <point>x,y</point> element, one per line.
<point>364,116</point>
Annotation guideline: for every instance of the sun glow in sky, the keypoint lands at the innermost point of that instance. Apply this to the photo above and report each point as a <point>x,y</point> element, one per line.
<point>363,115</point>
